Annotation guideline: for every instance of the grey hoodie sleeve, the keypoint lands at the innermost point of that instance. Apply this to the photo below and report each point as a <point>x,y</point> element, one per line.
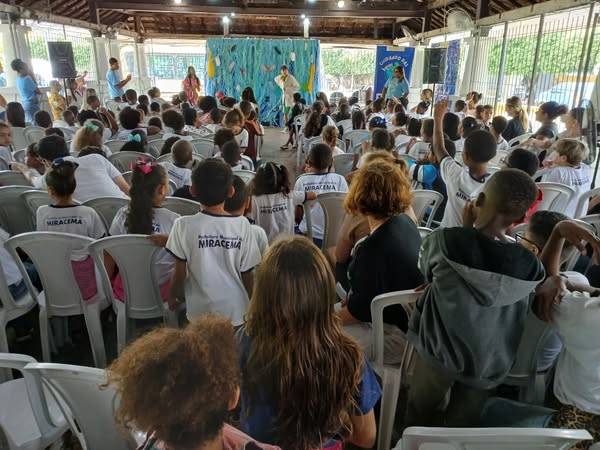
<point>430,255</point>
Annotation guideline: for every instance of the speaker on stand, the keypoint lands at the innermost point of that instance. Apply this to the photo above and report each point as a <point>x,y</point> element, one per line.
<point>62,62</point>
<point>434,67</point>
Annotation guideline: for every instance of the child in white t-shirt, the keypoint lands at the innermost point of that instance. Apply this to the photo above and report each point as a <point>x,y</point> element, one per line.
<point>497,127</point>
<point>6,142</point>
<point>66,216</point>
<point>330,136</point>
<point>231,153</point>
<point>568,168</point>
<point>215,252</point>
<point>235,122</point>
<point>318,179</point>
<point>144,215</point>
<point>238,204</point>
<point>461,182</point>
<point>180,168</point>
<point>273,204</point>
<point>420,149</point>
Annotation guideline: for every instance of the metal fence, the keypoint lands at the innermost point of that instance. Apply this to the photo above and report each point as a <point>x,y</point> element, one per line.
<point>42,33</point>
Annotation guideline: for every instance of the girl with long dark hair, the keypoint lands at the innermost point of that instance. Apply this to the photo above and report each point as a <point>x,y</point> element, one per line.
<point>191,85</point>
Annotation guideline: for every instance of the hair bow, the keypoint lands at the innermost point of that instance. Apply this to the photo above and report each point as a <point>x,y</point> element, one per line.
<point>379,120</point>
<point>92,126</point>
<point>134,138</point>
<point>145,165</point>
<point>57,162</point>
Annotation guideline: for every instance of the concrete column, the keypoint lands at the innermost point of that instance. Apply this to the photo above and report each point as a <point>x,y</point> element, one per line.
<point>101,66</point>
<point>144,82</point>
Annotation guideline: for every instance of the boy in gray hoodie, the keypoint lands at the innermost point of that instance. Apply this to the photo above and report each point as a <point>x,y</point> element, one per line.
<point>468,323</point>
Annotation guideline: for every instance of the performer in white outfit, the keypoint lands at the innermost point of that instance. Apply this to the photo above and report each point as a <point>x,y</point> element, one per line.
<point>289,85</point>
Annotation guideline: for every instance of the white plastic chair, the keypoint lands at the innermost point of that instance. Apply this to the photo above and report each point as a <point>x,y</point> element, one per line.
<point>115,146</point>
<point>33,420</point>
<point>415,438</point>
<point>524,370</point>
<point>122,160</point>
<point>519,140</point>
<point>203,147</point>
<point>51,255</point>
<point>181,206</point>
<point>424,232</point>
<point>107,208</point>
<point>169,158</point>
<point>68,132</point>
<point>11,308</point>
<point>81,394</point>
<point>135,256</point>
<point>346,125</point>
<point>34,134</point>
<point>355,137</point>
<point>495,161</point>
<point>247,163</point>
<point>13,178</point>
<point>343,163</point>
<point>583,199</point>
<point>156,145</point>
<point>557,196</point>
<point>127,176</point>
<point>14,215</point>
<point>19,155</point>
<point>391,375</point>
<point>333,212</point>
<point>18,137</point>
<point>246,175</point>
<point>426,201</point>
<point>33,200</point>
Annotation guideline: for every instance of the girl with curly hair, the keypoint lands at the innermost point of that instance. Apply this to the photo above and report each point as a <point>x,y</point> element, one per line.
<point>174,384</point>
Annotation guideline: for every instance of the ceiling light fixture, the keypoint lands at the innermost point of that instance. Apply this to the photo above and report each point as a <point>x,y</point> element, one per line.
<point>303,16</point>
<point>232,14</point>
<point>341,3</point>
<point>177,2</point>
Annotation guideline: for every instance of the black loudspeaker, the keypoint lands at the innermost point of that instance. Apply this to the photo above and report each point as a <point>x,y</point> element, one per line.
<point>62,60</point>
<point>434,66</point>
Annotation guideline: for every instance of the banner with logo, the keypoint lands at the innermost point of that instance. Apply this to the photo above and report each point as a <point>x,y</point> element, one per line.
<point>386,59</point>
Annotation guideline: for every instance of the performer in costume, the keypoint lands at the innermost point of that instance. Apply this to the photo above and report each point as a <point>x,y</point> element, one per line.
<point>191,85</point>
<point>289,85</point>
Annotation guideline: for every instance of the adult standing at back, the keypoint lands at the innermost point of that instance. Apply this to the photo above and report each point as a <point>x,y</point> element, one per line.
<point>396,86</point>
<point>27,88</point>
<point>289,85</point>
<point>191,85</point>
<point>113,77</point>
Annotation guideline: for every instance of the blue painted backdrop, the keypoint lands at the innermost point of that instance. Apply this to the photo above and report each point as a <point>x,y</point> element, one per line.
<point>386,59</point>
<point>232,64</point>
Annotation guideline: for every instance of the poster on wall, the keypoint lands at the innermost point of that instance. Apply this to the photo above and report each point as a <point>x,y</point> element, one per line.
<point>386,59</point>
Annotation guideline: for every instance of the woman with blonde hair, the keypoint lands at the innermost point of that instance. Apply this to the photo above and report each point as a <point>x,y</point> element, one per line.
<point>57,101</point>
<point>176,387</point>
<point>305,384</point>
<point>91,134</point>
<point>330,136</point>
<point>519,122</point>
<point>386,260</point>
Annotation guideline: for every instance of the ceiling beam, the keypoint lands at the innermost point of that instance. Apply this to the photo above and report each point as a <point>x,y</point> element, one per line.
<point>483,9</point>
<point>407,9</point>
<point>435,4</point>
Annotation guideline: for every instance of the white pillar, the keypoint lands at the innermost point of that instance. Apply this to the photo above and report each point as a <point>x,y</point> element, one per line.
<point>101,66</point>
<point>144,82</point>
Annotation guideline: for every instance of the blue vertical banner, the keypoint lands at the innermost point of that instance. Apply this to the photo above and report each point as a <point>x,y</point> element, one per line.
<point>452,62</point>
<point>386,59</point>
